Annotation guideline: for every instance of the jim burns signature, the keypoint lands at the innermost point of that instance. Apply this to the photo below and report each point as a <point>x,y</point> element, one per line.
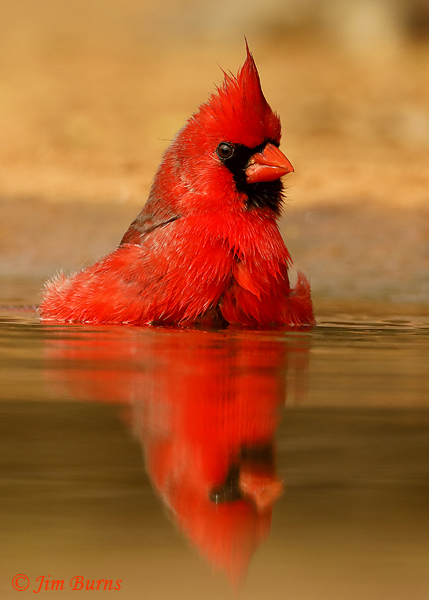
<point>44,583</point>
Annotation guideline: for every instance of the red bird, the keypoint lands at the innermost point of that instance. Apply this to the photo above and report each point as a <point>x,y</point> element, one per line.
<point>206,247</point>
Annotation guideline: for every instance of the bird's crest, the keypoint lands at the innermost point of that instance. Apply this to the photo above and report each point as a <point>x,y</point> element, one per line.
<point>238,111</point>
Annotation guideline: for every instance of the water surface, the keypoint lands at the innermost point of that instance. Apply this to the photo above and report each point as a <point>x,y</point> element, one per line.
<point>115,442</point>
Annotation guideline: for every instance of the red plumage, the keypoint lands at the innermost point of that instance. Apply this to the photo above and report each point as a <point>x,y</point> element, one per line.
<point>206,246</point>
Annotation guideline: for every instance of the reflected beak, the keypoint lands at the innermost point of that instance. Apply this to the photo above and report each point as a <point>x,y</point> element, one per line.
<point>263,489</point>
<point>268,165</point>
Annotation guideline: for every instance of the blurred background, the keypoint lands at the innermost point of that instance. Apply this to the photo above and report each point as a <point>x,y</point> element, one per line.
<point>92,91</point>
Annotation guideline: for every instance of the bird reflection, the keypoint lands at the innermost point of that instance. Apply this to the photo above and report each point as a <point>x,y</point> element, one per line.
<point>205,406</point>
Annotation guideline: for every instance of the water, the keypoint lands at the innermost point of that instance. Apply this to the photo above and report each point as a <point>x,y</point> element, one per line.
<point>115,441</point>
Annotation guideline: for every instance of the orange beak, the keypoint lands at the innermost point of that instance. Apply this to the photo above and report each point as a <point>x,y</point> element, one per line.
<point>268,165</point>
<point>263,489</point>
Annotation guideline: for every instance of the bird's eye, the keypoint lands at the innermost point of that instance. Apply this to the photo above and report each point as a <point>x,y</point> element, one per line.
<point>224,150</point>
<point>217,494</point>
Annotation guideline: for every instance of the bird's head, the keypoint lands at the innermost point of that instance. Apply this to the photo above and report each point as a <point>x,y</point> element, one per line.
<point>228,153</point>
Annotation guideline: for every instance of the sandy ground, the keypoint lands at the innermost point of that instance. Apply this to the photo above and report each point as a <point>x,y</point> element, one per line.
<point>91,93</point>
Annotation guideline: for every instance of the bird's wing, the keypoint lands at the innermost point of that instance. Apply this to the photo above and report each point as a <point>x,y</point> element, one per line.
<point>150,218</point>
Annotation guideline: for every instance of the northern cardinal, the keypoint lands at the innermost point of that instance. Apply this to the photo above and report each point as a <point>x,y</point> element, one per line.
<point>206,247</point>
